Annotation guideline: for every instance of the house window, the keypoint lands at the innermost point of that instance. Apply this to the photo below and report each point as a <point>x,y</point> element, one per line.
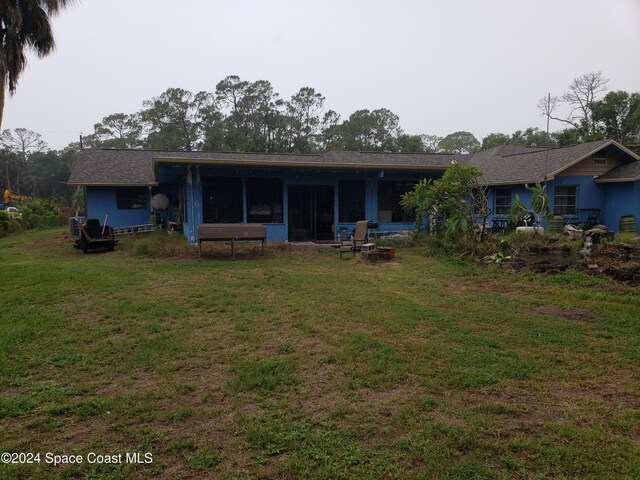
<point>264,200</point>
<point>565,200</point>
<point>600,160</point>
<point>134,198</point>
<point>502,201</point>
<point>222,200</point>
<point>389,208</point>
<point>350,200</point>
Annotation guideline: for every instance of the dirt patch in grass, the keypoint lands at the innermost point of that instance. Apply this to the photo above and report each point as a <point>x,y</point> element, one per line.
<point>575,314</point>
<point>540,403</point>
<point>322,394</point>
<point>488,285</point>
<point>377,263</point>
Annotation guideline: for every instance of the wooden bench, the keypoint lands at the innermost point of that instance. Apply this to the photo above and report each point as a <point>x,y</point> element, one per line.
<point>231,232</point>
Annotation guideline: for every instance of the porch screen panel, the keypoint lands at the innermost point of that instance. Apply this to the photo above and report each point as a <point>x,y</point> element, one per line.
<point>264,200</point>
<point>565,200</point>
<point>350,200</point>
<point>222,200</point>
<point>389,208</point>
<point>502,201</point>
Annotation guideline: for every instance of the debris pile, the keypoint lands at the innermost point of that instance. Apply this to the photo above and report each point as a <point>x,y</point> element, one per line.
<point>620,261</point>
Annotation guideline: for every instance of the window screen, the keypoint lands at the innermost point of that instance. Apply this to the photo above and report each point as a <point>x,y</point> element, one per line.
<point>350,200</point>
<point>389,196</point>
<point>264,200</point>
<point>502,201</point>
<point>565,200</point>
<point>222,200</point>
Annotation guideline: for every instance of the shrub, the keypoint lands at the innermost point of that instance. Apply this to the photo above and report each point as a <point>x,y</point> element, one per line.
<point>456,199</point>
<point>11,223</point>
<point>39,210</point>
<point>33,213</point>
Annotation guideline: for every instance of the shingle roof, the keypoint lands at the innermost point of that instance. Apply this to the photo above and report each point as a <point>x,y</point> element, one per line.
<point>112,167</point>
<point>510,166</point>
<point>504,150</point>
<point>420,161</point>
<point>136,167</point>
<point>503,165</point>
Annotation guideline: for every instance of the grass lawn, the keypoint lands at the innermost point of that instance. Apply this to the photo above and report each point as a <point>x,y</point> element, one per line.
<point>300,365</point>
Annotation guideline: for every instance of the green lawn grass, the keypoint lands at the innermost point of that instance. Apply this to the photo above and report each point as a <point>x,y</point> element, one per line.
<point>302,365</point>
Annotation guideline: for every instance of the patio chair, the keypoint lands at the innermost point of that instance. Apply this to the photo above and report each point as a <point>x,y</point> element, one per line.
<point>361,235</point>
<point>346,242</point>
<point>354,242</point>
<point>592,220</point>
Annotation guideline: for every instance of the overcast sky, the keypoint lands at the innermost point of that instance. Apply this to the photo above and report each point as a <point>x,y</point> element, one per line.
<point>441,66</point>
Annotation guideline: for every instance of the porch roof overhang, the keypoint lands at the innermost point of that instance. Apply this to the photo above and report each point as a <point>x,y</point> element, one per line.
<point>316,165</point>
<point>153,183</point>
<point>617,180</point>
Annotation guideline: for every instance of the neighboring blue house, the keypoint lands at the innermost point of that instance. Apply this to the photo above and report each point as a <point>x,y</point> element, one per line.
<point>309,197</point>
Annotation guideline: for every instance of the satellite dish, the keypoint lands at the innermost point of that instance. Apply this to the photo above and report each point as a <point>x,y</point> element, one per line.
<point>159,202</point>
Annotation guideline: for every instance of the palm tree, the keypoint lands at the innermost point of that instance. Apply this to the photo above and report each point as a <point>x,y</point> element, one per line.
<point>24,24</point>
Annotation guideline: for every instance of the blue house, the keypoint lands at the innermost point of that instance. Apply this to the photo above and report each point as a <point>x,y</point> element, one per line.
<point>310,197</point>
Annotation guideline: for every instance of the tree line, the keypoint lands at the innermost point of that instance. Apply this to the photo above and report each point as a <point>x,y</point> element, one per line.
<point>29,167</point>
<point>248,116</point>
<point>244,116</point>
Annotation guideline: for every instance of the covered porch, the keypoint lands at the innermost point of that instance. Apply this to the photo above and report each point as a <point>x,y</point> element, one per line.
<point>294,204</point>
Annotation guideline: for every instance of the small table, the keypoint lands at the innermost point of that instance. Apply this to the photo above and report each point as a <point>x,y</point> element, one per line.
<point>368,247</point>
<point>369,252</point>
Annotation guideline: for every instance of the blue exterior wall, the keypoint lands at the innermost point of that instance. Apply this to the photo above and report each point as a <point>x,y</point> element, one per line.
<point>102,201</point>
<point>612,199</point>
<point>523,194</point>
<point>589,194</point>
<point>621,199</point>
